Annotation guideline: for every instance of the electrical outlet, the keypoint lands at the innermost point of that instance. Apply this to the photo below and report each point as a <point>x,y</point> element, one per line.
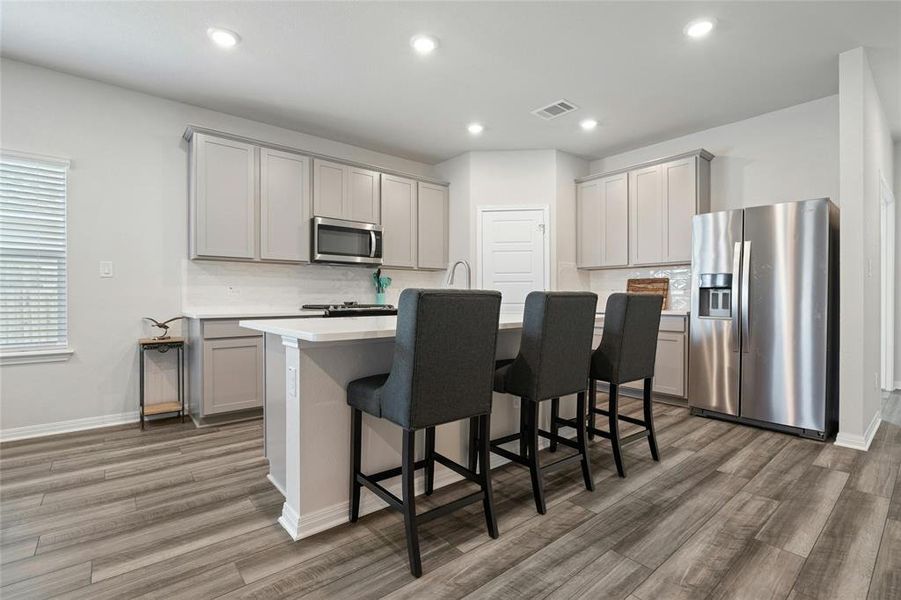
<point>292,382</point>
<point>106,268</point>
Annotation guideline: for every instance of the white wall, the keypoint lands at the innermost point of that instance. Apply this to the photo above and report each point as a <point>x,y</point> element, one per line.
<point>897,177</point>
<point>536,178</point>
<point>128,203</point>
<point>788,154</point>
<point>569,168</point>
<point>866,151</point>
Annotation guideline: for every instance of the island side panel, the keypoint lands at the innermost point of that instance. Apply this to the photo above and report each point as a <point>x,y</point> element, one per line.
<point>274,410</point>
<point>324,446</point>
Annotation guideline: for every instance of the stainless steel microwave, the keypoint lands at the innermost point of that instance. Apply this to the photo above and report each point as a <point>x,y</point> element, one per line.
<point>349,242</point>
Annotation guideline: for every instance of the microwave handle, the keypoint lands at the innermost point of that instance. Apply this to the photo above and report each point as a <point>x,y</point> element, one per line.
<point>372,244</point>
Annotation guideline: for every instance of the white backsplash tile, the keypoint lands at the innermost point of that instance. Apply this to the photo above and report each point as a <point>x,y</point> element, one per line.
<point>260,285</point>
<point>608,281</point>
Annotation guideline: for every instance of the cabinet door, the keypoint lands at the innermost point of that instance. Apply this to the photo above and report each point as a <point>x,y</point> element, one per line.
<point>433,225</point>
<point>646,216</point>
<point>232,374</point>
<point>329,189</point>
<point>679,201</point>
<point>399,221</point>
<point>363,195</point>
<point>284,206</point>
<point>614,230</point>
<point>669,369</point>
<point>224,204</point>
<point>589,214</point>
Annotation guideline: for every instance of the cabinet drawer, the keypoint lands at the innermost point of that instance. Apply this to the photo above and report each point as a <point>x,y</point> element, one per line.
<point>226,328</point>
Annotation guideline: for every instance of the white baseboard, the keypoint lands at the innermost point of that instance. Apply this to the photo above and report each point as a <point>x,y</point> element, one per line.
<point>299,527</point>
<point>31,431</point>
<point>860,442</point>
<point>897,386</point>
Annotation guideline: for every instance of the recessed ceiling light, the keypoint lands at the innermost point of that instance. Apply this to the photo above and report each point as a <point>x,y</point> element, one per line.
<point>475,128</point>
<point>588,124</point>
<point>223,37</point>
<point>424,44</point>
<point>699,28</point>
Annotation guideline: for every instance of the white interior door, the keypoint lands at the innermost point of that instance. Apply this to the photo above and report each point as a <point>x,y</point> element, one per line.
<point>513,254</point>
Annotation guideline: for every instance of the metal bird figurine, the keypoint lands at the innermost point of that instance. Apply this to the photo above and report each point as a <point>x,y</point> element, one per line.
<point>164,326</point>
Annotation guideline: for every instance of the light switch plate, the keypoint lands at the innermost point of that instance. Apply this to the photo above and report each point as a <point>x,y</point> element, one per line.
<point>106,268</point>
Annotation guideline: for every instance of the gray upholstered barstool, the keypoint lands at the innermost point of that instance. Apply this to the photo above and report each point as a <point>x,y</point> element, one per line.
<point>553,361</point>
<point>626,353</point>
<point>442,371</point>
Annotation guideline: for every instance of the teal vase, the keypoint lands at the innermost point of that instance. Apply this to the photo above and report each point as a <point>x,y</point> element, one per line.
<point>380,298</point>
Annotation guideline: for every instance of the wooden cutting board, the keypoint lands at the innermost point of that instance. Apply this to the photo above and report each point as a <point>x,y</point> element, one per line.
<point>650,285</point>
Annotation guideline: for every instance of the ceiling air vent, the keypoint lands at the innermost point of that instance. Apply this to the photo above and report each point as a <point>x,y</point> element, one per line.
<point>557,109</point>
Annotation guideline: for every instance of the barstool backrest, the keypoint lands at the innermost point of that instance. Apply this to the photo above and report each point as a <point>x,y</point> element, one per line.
<point>555,350</point>
<point>444,356</point>
<point>629,344</point>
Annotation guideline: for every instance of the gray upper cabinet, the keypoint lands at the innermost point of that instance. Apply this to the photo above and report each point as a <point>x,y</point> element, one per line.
<point>284,206</point>
<point>329,189</point>
<point>648,221</point>
<point>679,195</point>
<point>250,201</point>
<point>223,198</point>
<point>603,222</point>
<point>642,216</point>
<point>363,195</point>
<point>399,221</point>
<point>346,192</point>
<point>433,226</point>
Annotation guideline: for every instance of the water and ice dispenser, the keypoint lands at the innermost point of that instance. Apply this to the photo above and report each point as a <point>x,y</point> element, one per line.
<point>715,295</point>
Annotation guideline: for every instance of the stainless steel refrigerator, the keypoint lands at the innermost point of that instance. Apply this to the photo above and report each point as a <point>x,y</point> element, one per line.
<point>764,316</point>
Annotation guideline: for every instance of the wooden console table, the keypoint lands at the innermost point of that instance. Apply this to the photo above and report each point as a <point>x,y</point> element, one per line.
<point>163,346</point>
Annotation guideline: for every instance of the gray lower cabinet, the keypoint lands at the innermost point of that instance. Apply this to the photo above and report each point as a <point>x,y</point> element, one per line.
<point>671,364</point>
<point>227,368</point>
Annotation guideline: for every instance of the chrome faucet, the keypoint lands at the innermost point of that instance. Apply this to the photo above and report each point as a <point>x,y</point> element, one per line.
<point>453,269</point>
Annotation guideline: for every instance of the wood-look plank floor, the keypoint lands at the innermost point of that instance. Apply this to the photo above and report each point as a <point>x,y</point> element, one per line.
<point>729,512</point>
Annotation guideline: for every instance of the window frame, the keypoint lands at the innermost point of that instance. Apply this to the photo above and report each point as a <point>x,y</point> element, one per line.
<point>45,353</point>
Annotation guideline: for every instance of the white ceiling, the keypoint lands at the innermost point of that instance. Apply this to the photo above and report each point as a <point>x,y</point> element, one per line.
<point>345,70</point>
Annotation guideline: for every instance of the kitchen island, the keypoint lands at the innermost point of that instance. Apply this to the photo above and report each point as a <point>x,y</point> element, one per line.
<point>309,363</point>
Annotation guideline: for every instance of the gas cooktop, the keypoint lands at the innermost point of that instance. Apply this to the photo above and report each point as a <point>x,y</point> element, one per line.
<point>353,309</point>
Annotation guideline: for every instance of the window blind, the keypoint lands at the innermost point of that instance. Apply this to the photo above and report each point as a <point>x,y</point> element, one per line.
<point>33,313</point>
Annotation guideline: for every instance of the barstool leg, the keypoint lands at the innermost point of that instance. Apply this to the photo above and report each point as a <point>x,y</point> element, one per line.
<point>429,460</point>
<point>581,435</point>
<point>555,429</point>
<point>356,435</point>
<point>473,443</point>
<point>592,405</point>
<point>531,409</point>
<point>485,470</point>
<point>614,430</point>
<point>408,473</point>
<point>523,428</point>
<point>649,418</point>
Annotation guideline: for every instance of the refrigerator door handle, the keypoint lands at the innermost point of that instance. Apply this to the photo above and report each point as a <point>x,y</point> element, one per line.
<point>736,276</point>
<point>745,297</point>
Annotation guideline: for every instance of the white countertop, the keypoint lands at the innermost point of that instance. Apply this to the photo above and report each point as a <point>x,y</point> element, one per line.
<point>345,328</point>
<point>232,312</point>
